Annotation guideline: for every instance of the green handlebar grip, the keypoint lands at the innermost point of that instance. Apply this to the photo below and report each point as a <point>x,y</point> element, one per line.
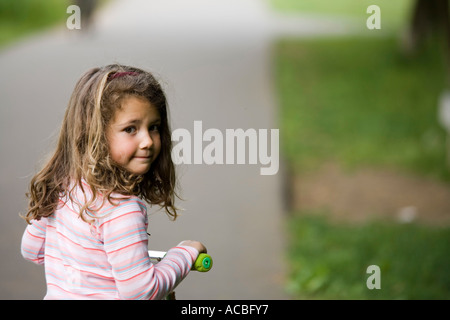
<point>203,263</point>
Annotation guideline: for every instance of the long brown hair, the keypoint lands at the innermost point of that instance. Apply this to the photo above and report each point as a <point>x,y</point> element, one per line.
<point>82,151</point>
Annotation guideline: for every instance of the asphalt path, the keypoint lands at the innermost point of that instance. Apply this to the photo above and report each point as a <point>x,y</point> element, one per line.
<point>214,61</point>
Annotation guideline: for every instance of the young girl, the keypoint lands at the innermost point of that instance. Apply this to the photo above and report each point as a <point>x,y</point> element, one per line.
<point>87,216</point>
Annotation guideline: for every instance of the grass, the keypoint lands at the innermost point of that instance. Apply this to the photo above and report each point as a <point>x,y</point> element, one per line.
<point>343,7</point>
<point>360,102</point>
<point>19,18</point>
<point>329,261</point>
<point>393,13</point>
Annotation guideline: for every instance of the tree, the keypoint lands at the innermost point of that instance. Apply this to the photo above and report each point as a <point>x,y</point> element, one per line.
<point>430,21</point>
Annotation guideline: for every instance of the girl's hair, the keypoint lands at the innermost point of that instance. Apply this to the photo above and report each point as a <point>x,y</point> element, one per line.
<point>82,151</point>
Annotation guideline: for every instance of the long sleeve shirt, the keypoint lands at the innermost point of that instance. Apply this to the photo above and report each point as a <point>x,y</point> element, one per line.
<point>106,259</point>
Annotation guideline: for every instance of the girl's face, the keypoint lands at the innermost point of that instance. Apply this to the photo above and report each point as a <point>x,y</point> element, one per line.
<point>133,135</point>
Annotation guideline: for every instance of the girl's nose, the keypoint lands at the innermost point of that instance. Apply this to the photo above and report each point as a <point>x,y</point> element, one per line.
<point>146,141</point>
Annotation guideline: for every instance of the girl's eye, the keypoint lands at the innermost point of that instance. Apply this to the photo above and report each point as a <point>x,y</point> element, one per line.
<point>154,128</point>
<point>130,130</point>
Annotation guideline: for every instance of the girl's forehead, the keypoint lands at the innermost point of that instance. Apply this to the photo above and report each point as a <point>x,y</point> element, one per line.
<point>135,108</point>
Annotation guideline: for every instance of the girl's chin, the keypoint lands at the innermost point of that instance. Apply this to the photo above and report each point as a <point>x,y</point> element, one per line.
<point>139,170</point>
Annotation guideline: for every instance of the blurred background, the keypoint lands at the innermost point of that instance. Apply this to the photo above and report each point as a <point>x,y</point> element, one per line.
<point>364,135</point>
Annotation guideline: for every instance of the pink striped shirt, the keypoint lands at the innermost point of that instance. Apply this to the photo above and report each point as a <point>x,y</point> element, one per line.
<point>107,259</point>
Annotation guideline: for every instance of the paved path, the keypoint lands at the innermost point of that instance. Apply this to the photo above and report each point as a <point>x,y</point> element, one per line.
<point>213,58</point>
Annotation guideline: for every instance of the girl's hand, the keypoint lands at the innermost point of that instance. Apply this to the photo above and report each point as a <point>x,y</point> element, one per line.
<point>195,244</point>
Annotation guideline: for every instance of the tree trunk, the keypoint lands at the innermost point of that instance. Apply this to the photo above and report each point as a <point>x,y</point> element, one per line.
<point>430,21</point>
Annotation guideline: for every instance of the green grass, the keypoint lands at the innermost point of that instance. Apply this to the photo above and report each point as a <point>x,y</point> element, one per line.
<point>360,102</point>
<point>393,13</point>
<point>343,7</point>
<point>329,261</point>
<point>23,17</point>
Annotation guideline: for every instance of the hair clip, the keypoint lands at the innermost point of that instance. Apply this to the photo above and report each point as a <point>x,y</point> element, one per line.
<point>121,74</point>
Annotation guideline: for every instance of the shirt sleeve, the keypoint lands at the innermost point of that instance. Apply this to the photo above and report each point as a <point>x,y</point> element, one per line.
<point>33,241</point>
<point>125,239</point>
